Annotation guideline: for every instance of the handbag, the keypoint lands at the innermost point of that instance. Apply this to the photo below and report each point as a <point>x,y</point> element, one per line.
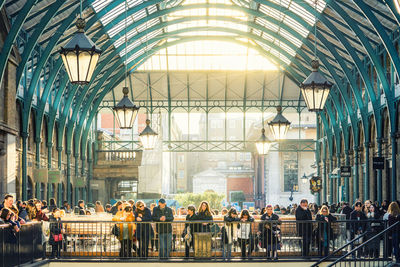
<point>58,238</point>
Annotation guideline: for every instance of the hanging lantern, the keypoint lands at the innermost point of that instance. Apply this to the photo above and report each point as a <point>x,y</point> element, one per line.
<point>263,144</point>
<point>126,111</point>
<point>279,125</point>
<point>80,56</point>
<point>148,137</point>
<point>315,89</point>
<point>304,179</point>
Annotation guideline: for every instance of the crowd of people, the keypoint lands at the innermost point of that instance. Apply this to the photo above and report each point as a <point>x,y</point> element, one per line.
<point>136,225</point>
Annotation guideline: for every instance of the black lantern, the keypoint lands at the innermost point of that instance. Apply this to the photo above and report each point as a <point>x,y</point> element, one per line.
<point>315,89</point>
<point>279,125</point>
<point>263,144</point>
<point>148,137</point>
<point>126,111</point>
<point>80,56</point>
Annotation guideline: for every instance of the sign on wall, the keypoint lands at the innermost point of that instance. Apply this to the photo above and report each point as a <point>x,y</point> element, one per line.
<point>345,171</point>
<point>40,175</point>
<point>378,163</point>
<point>54,176</point>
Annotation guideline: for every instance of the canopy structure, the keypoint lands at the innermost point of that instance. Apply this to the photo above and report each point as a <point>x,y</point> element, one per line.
<point>356,42</point>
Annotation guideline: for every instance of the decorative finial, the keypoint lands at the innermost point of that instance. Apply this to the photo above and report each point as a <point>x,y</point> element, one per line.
<point>315,64</point>
<point>279,109</point>
<point>80,24</point>
<point>147,122</point>
<point>125,90</point>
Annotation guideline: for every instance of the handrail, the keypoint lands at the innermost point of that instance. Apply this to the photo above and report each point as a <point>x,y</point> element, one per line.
<point>363,244</point>
<point>339,249</point>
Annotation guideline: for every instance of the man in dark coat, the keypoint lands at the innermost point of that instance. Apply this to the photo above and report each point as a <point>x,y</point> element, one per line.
<point>304,228</point>
<point>358,225</point>
<point>162,215</point>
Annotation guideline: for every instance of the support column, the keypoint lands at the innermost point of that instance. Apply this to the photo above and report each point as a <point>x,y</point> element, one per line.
<point>38,186</point>
<point>366,176</point>
<point>356,193</point>
<point>76,190</point>
<point>347,179</point>
<point>83,172</point>
<point>49,156</point>
<point>338,179</point>
<point>69,193</point>
<point>60,192</point>
<point>379,173</point>
<point>330,182</point>
<point>90,168</point>
<point>394,169</point>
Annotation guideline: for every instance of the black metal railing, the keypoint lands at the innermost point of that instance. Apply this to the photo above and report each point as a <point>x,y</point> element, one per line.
<point>215,240</point>
<point>355,255</point>
<point>21,247</point>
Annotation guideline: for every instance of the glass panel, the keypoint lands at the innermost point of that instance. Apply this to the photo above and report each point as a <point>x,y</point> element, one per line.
<point>290,171</point>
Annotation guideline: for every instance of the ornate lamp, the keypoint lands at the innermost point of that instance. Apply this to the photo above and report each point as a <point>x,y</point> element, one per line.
<point>279,125</point>
<point>304,179</point>
<point>148,137</point>
<point>80,56</point>
<point>315,89</point>
<point>126,111</point>
<point>263,144</point>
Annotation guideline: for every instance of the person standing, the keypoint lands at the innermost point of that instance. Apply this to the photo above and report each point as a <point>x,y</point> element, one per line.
<point>81,205</point>
<point>126,231</point>
<point>358,225</point>
<point>190,229</point>
<point>229,233</point>
<point>245,235</point>
<point>325,231</point>
<point>394,217</point>
<point>162,215</point>
<point>56,233</point>
<point>304,226</point>
<point>269,231</point>
<point>144,231</point>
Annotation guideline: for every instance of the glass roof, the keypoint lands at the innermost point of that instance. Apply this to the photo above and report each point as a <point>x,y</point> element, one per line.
<point>195,22</point>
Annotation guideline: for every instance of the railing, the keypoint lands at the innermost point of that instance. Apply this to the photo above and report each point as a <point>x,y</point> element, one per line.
<point>355,254</point>
<point>119,155</point>
<point>207,240</point>
<point>22,247</point>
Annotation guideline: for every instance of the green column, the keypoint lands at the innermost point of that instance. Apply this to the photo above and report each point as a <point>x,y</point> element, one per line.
<point>90,170</point>
<point>394,165</point>
<point>50,186</point>
<point>356,194</point>
<point>37,165</point>
<point>69,193</point>
<point>347,179</point>
<point>330,182</point>
<point>60,192</point>
<point>338,179</point>
<point>366,176</point>
<point>379,173</point>
<point>24,136</point>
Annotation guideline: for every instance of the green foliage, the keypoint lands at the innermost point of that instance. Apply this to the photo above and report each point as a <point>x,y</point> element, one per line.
<point>238,197</point>
<point>214,199</point>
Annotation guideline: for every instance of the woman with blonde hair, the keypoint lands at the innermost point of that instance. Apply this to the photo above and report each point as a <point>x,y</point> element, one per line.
<point>394,217</point>
<point>204,214</point>
<point>126,230</point>
<point>324,231</point>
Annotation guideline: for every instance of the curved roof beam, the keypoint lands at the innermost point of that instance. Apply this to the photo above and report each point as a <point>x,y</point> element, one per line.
<point>392,7</point>
<point>391,50</point>
<point>12,35</point>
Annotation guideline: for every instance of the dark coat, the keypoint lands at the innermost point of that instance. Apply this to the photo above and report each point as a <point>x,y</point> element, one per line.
<point>347,211</point>
<point>163,228</point>
<point>269,229</point>
<point>224,233</point>
<point>304,229</point>
<point>325,227</point>
<point>202,216</point>
<point>190,224</point>
<point>392,220</point>
<point>361,225</point>
<point>55,229</point>
<point>144,230</point>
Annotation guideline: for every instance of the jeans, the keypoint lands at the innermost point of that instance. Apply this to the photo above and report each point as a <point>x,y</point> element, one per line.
<point>165,244</point>
<point>226,251</point>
